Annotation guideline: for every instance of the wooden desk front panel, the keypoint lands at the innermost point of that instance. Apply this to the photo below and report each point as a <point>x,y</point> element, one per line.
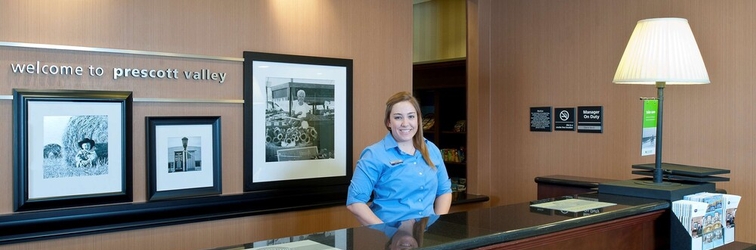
<point>645,231</point>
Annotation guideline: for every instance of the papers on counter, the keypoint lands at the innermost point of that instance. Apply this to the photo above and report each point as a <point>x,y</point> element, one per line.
<point>573,205</point>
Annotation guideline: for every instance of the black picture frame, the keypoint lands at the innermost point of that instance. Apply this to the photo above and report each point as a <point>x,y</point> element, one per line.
<point>194,144</point>
<point>51,167</point>
<point>281,151</point>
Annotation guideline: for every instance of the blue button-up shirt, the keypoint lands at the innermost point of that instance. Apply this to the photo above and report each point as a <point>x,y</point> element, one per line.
<point>405,186</point>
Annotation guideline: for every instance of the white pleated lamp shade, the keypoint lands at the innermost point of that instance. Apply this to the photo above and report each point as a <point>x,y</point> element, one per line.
<point>662,50</point>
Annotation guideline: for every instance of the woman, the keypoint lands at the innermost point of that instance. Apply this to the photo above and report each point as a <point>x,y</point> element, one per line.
<point>404,172</point>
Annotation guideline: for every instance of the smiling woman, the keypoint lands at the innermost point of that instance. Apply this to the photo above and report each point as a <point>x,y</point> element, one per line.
<point>403,174</point>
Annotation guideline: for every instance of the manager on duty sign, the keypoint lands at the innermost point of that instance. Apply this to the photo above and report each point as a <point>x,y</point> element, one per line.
<point>590,119</point>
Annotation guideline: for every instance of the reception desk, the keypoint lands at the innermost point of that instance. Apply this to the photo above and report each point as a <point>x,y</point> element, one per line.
<point>633,223</point>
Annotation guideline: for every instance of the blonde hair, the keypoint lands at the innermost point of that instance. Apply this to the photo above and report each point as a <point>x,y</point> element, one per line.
<point>418,140</point>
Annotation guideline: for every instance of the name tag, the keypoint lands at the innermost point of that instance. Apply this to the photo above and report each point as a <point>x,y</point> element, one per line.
<point>394,163</point>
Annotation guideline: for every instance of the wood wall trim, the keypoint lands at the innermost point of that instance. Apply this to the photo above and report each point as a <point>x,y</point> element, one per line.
<point>166,100</point>
<point>115,51</point>
<point>51,224</point>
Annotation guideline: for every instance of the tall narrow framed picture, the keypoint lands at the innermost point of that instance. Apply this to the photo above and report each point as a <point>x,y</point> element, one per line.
<point>183,157</point>
<point>297,121</point>
<point>71,148</point>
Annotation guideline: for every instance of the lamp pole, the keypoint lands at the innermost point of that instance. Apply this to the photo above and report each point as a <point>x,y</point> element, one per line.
<point>658,177</point>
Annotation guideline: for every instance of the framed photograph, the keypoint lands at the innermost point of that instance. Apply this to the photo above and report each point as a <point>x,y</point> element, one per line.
<point>297,121</point>
<point>71,148</point>
<point>183,157</point>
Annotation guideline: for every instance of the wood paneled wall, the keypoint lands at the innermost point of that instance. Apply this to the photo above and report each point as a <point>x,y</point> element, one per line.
<point>439,29</point>
<point>564,54</point>
<point>377,35</point>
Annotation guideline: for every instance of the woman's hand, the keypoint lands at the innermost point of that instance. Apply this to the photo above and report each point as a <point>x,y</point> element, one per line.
<point>363,213</point>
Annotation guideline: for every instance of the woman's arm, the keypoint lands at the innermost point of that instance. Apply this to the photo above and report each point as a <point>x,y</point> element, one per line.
<point>363,213</point>
<point>442,204</point>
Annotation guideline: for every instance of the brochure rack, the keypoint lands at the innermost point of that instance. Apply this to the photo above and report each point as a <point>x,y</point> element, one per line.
<point>718,209</point>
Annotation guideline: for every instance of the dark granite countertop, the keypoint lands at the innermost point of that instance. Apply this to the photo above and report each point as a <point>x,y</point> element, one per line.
<point>482,227</point>
<point>519,221</point>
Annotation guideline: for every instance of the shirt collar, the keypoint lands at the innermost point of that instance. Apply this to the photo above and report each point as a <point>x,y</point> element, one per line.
<point>389,141</point>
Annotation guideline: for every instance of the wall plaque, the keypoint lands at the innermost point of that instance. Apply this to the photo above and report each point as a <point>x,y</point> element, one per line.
<point>565,119</point>
<point>540,119</point>
<point>590,119</point>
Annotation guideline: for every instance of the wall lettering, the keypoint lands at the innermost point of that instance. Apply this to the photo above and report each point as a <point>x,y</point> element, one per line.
<point>40,68</point>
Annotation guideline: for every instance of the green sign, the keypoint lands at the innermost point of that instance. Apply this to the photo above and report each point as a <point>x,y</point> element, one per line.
<point>650,108</point>
<point>648,139</point>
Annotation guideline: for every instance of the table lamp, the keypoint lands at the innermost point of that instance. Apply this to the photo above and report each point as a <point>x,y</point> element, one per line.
<point>661,51</point>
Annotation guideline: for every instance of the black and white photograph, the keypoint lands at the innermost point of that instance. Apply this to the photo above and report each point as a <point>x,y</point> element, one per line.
<point>75,146</point>
<point>297,120</point>
<point>183,156</point>
<point>70,148</point>
<point>186,157</point>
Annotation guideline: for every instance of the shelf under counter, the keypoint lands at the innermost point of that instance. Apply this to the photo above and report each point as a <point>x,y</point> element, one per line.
<point>560,185</point>
<point>470,198</point>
